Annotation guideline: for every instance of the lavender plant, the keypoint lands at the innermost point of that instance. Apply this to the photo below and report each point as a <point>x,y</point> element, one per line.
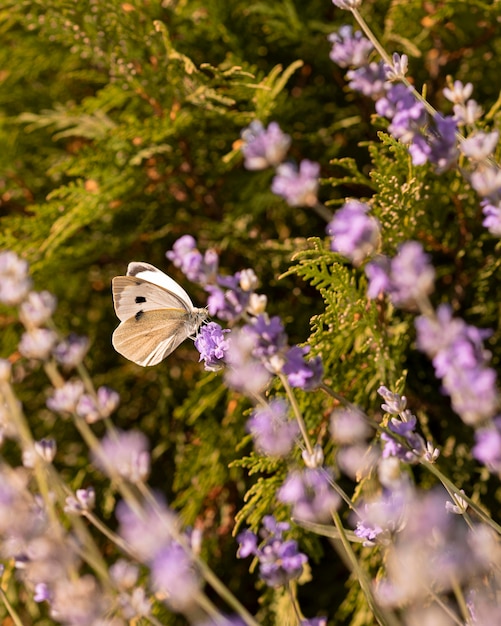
<point>401,492</point>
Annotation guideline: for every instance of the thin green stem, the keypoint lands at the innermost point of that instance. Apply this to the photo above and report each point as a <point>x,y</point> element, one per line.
<point>11,610</point>
<point>383,617</point>
<point>297,413</point>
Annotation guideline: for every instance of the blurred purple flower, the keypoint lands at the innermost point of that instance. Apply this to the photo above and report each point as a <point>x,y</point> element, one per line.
<point>84,500</point>
<point>407,278</point>
<point>65,398</point>
<point>37,308</point>
<point>438,146</point>
<point>354,234</point>
<point>460,360</point>
<point>480,146</point>
<point>310,494</point>
<point>71,351</point>
<point>279,560</point>
<point>298,187</point>
<point>306,375</point>
<point>198,268</point>
<point>407,114</point>
<point>124,454</point>
<point>174,575</point>
<point>262,147</point>
<point>147,529</point>
<point>227,300</point>
<point>398,68</point>
<point>347,4</point>
<point>273,433</point>
<point>212,345</point>
<point>101,407</point>
<point>245,373</point>
<point>37,343</point>
<point>492,213</point>
<point>458,93</point>
<point>15,282</point>
<point>368,79</point>
<point>349,426</point>
<point>349,49</point>
<point>271,338</point>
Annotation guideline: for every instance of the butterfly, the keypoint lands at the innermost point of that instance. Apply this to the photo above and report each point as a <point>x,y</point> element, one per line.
<point>155,313</point>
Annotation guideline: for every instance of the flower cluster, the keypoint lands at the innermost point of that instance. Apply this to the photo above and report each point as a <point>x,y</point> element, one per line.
<point>279,560</point>
<point>461,362</point>
<point>267,147</point>
<point>431,138</point>
<point>260,347</point>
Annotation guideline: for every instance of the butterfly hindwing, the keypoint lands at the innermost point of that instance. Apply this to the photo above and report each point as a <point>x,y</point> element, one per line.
<point>149,336</point>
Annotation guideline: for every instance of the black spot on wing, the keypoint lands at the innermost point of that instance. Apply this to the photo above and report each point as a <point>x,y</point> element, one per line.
<point>139,315</point>
<point>140,299</point>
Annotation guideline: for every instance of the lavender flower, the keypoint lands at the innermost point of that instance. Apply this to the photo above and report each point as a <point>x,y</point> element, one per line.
<point>212,345</point>
<point>71,351</point>
<point>124,574</point>
<point>297,186</point>
<point>394,403</point>
<point>146,530</point>
<point>348,5</point>
<point>65,398</point>
<point>458,93</point>
<point>492,213</point>
<point>407,114</point>
<point>354,234</point>
<point>467,114</point>
<point>245,373</point>
<point>398,69</point>
<point>124,454</point>
<point>37,343</point>
<point>37,308</point>
<point>173,573</point>
<point>408,278</point>
<point>486,180</point>
<point>310,494</point>
<point>84,500</point>
<point>279,560</point>
<point>480,146</point>
<point>438,147</point>
<point>487,448</point>
<point>273,433</point>
<point>227,300</point>
<point>14,280</point>
<point>349,48</point>
<point>262,147</point>
<point>306,375</point>
<point>460,360</point>
<point>195,266</point>
<point>271,338</point>
<point>349,426</point>
<point>369,79</point>
<point>409,452</point>
<point>94,409</point>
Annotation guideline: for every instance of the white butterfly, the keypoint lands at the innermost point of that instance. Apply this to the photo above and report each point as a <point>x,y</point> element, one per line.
<point>155,313</point>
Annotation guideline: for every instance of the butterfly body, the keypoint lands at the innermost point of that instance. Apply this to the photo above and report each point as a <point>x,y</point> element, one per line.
<point>156,314</point>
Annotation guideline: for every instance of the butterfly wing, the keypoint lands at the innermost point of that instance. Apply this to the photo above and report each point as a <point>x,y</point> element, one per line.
<point>148,272</point>
<point>151,335</point>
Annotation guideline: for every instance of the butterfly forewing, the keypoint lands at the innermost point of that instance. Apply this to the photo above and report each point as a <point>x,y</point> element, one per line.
<point>150,336</point>
<point>132,294</point>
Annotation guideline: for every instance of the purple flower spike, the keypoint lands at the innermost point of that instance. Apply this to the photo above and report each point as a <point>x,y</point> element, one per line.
<point>306,375</point>
<point>310,494</point>
<point>298,187</point>
<point>487,448</point>
<point>279,560</point>
<point>349,49</point>
<point>37,308</point>
<point>212,345</point>
<point>173,573</point>
<point>195,266</point>
<point>71,351</point>
<point>369,79</point>
<point>354,234</point>
<point>272,431</point>
<point>262,147</point>
<point>125,454</point>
